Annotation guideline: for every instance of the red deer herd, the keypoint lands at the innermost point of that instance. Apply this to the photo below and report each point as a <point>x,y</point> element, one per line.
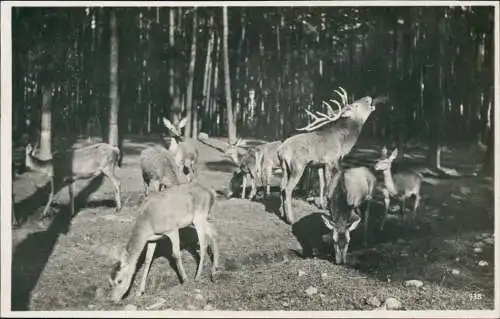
<point>176,199</point>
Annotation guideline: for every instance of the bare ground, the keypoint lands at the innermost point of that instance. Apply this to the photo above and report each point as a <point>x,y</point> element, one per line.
<point>64,264</point>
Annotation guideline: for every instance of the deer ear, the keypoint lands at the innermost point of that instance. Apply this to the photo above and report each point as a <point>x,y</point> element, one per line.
<point>183,122</point>
<point>384,151</point>
<point>168,124</point>
<point>355,222</point>
<point>394,154</point>
<point>328,223</point>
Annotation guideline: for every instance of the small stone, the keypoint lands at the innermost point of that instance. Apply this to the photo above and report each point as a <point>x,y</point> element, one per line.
<point>404,254</point>
<point>156,305</point>
<point>392,304</point>
<point>190,307</point>
<point>209,307</point>
<point>373,301</point>
<point>285,304</point>
<point>482,263</point>
<point>91,306</point>
<point>325,275</point>
<point>301,273</point>
<point>198,297</point>
<point>130,307</point>
<point>197,290</point>
<point>478,250</point>
<point>455,272</point>
<point>413,283</point>
<point>311,291</point>
<point>484,235</point>
<point>489,240</point>
<point>388,278</point>
<point>457,259</point>
<point>322,295</point>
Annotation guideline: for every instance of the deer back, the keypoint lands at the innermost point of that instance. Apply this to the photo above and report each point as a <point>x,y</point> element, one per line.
<point>358,185</point>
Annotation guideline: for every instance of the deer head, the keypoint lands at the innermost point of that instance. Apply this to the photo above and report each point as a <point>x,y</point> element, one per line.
<point>340,232</point>
<point>175,130</point>
<point>385,162</point>
<point>358,110</point>
<point>232,150</point>
<point>121,277</point>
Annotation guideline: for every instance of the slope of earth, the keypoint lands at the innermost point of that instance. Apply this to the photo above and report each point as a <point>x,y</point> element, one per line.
<point>65,263</point>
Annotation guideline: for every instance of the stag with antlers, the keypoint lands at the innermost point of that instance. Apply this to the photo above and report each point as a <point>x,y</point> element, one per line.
<point>324,142</point>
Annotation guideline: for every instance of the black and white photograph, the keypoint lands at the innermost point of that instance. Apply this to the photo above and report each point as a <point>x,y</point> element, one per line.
<point>249,159</point>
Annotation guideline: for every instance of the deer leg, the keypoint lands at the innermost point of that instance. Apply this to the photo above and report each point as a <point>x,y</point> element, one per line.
<point>200,230</point>
<point>367,216</point>
<point>150,251</point>
<point>284,182</point>
<point>295,176</point>
<point>116,185</point>
<point>211,234</point>
<point>416,204</point>
<point>387,201</point>
<point>254,187</point>
<point>176,254</point>
<point>71,199</point>
<point>244,186</point>
<point>403,211</point>
<point>269,172</point>
<point>49,201</point>
<point>321,176</point>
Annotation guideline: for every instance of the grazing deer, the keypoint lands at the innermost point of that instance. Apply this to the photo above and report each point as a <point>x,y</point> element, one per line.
<point>357,186</point>
<point>247,167</point>
<point>164,214</point>
<point>186,153</point>
<point>343,219</point>
<point>326,141</point>
<point>399,186</point>
<point>66,167</point>
<point>159,169</point>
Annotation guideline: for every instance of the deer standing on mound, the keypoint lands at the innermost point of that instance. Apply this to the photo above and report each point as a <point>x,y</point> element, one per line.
<point>399,186</point>
<point>327,140</point>
<point>66,167</point>
<point>163,214</point>
<point>184,149</point>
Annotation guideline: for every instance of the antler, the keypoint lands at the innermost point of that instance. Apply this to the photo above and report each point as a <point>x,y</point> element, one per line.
<point>320,118</point>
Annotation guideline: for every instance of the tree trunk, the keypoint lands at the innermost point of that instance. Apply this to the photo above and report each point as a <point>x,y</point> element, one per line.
<point>192,120</point>
<point>46,122</point>
<point>208,72</point>
<point>433,86</point>
<point>171,42</point>
<point>227,85</point>
<point>113,81</point>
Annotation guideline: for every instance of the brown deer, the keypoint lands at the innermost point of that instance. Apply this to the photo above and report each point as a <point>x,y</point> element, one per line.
<point>186,153</point>
<point>66,167</point>
<point>326,141</point>
<point>163,214</point>
<point>398,186</point>
<point>344,204</point>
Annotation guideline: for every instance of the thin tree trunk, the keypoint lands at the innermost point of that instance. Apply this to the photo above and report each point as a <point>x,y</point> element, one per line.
<point>229,104</point>
<point>192,121</point>
<point>113,90</point>
<point>171,42</point>
<point>46,122</point>
<point>208,72</point>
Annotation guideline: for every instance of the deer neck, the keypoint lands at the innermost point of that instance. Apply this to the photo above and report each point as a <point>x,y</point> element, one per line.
<point>135,245</point>
<point>389,182</point>
<point>39,165</point>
